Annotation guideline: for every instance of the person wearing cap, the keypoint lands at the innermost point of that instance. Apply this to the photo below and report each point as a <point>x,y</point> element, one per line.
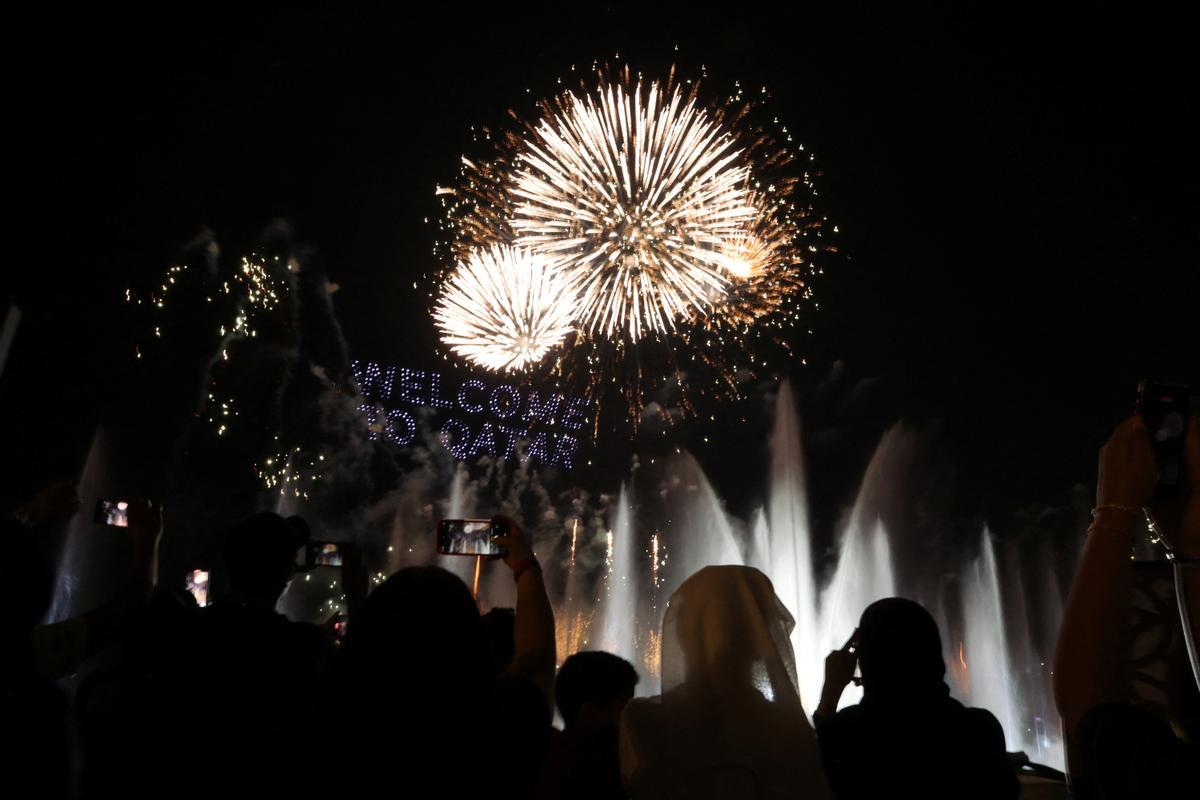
<point>254,672</point>
<point>260,558</point>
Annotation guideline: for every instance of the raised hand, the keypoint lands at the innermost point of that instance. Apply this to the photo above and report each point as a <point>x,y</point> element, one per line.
<point>839,673</point>
<point>1126,473</point>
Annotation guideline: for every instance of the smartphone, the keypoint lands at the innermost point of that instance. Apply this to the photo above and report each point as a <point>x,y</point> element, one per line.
<point>113,512</point>
<point>319,554</point>
<point>197,585</point>
<point>469,537</point>
<point>1165,407</point>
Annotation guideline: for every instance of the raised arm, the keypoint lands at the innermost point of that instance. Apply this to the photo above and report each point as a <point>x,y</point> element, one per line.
<point>1092,657</point>
<point>533,627</point>
<point>60,647</point>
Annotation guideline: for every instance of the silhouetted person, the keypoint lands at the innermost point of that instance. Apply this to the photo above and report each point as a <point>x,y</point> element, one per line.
<point>729,723</point>
<point>32,711</point>
<point>251,673</point>
<point>591,691</point>
<point>1116,749</point>
<point>418,700</point>
<point>908,737</point>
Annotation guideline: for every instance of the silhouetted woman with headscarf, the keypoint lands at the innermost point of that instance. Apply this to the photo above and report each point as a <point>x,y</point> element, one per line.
<point>908,737</point>
<point>729,723</point>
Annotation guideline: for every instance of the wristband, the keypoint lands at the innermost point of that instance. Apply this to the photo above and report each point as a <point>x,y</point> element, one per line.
<point>524,564</point>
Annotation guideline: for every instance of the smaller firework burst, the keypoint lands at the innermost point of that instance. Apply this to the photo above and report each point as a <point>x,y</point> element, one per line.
<point>766,268</point>
<point>504,309</point>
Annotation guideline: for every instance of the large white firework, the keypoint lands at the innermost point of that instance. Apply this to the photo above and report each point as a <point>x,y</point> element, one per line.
<point>634,193</point>
<point>504,308</point>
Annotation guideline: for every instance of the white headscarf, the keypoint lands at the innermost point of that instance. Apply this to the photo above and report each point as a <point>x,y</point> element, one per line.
<point>729,723</point>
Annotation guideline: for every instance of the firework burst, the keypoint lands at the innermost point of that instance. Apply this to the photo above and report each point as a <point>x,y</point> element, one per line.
<point>504,308</point>
<point>683,228</point>
<point>634,194</point>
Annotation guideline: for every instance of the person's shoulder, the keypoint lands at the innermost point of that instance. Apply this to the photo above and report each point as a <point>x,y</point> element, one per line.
<point>305,636</point>
<point>980,725</point>
<point>977,717</point>
<point>843,718</point>
<point>518,699</point>
<point>641,732</point>
<point>642,709</point>
<point>304,629</point>
<point>642,721</point>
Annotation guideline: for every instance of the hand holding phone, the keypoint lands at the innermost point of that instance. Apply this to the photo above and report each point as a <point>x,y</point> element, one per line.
<point>840,664</point>
<point>197,586</point>
<point>471,537</point>
<point>1165,408</point>
<point>114,513</point>
<point>512,538</point>
<point>1125,474</point>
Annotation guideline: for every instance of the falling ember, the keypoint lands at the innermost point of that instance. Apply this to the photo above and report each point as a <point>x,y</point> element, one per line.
<point>574,539</point>
<point>504,309</point>
<point>653,659</point>
<point>475,583</point>
<point>962,674</point>
<point>654,559</point>
<point>572,634</point>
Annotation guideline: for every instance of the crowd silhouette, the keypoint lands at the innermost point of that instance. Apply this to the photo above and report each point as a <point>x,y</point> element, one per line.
<point>152,695</point>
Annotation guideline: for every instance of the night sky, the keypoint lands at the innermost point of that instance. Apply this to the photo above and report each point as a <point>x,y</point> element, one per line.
<point>1016,196</point>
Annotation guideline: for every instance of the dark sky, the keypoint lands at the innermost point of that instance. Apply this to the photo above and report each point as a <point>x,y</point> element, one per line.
<point>1016,192</point>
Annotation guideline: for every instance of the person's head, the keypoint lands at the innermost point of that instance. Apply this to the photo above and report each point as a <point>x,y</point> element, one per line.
<point>899,650</point>
<point>420,635</point>
<point>260,556</point>
<point>591,689</point>
<point>726,633</point>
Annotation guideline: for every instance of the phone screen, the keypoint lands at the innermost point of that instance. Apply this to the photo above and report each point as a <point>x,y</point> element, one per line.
<point>326,554</point>
<point>197,585</point>
<point>113,512</point>
<point>1165,409</point>
<point>467,537</point>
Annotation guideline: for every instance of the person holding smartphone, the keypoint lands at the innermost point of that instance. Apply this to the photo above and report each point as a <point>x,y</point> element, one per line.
<point>1116,746</point>
<point>418,693</point>
<point>907,737</point>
